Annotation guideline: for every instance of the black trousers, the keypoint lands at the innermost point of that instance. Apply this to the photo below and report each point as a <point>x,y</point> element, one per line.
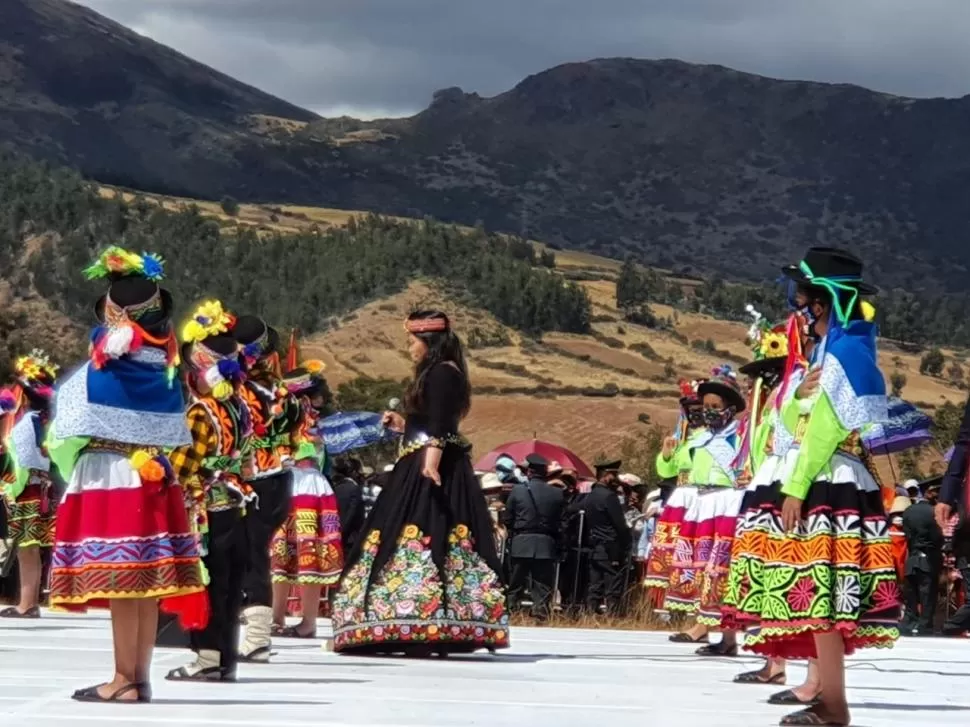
<point>265,516</point>
<point>543,574</point>
<point>226,563</point>
<point>606,578</point>
<point>922,594</point>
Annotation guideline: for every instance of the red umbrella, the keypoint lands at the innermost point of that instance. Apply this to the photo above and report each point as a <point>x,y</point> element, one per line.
<point>520,450</point>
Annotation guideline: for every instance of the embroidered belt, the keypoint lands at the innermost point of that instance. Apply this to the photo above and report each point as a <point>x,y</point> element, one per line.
<point>123,448</point>
<point>421,440</point>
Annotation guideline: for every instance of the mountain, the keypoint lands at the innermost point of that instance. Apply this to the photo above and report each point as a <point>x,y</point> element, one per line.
<point>76,87</point>
<point>698,169</point>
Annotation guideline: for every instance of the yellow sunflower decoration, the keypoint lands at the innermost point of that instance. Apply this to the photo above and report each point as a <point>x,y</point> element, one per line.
<point>773,345</point>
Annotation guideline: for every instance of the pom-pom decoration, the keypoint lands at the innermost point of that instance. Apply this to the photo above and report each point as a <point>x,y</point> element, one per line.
<point>209,319</point>
<point>868,311</point>
<point>120,262</point>
<point>8,402</point>
<point>154,471</point>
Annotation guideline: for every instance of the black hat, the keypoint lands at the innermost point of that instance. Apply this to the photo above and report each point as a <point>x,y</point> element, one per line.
<point>537,463</point>
<point>725,387</point>
<point>933,483</point>
<point>254,330</point>
<point>604,466</point>
<point>764,367</point>
<point>223,344</point>
<point>131,291</point>
<point>831,263</point>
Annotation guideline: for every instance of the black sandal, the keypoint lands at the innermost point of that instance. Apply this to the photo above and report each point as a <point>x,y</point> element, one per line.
<point>292,632</point>
<point>718,650</point>
<point>249,658</point>
<point>808,718</point>
<point>788,698</point>
<point>90,694</point>
<point>684,638</point>
<point>756,677</point>
<point>212,674</point>
<point>12,612</point>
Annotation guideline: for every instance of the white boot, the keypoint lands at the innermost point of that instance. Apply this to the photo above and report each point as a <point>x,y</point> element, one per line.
<point>256,642</point>
<point>205,668</point>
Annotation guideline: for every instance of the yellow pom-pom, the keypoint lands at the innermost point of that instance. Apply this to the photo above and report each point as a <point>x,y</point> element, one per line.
<point>192,332</point>
<point>868,311</point>
<point>222,390</point>
<point>139,459</point>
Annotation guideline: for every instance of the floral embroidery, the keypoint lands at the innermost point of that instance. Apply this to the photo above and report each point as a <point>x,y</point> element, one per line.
<point>409,602</point>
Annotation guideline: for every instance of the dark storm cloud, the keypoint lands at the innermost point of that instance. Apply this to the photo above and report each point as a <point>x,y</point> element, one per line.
<point>388,56</point>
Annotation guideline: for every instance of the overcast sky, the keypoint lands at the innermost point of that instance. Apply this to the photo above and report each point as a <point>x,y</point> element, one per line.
<point>386,57</point>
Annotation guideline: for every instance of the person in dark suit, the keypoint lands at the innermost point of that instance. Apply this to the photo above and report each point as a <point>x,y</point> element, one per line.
<point>924,539</point>
<point>533,518</point>
<point>609,540</point>
<point>350,502</point>
<point>953,501</point>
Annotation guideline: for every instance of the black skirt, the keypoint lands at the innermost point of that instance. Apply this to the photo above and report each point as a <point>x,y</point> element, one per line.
<point>426,576</point>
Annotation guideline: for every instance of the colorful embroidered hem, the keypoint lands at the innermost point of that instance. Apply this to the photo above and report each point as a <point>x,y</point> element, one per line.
<point>405,633</point>
<point>307,550</point>
<point>88,574</point>
<point>463,603</point>
<point>31,518</point>
<point>836,572</point>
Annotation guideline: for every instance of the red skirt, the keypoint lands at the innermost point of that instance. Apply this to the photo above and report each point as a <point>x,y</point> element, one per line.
<point>307,550</point>
<point>119,539</point>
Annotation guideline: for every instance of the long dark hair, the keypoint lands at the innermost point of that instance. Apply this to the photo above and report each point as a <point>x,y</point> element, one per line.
<point>444,347</point>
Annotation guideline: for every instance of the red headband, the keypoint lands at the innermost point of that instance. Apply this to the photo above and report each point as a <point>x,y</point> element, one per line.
<point>426,325</point>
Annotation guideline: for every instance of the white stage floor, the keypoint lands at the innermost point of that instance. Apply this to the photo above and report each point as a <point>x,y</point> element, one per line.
<point>558,678</point>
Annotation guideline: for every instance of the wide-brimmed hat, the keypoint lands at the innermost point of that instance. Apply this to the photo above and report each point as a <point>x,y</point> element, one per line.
<point>725,386</point>
<point>769,345</point>
<point>900,505</point>
<point>830,263</point>
<point>605,466</point>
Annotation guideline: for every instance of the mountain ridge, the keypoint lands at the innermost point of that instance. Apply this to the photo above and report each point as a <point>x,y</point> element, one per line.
<point>695,168</point>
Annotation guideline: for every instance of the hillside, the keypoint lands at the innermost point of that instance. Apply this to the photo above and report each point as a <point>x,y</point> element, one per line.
<point>588,392</point>
<point>691,168</point>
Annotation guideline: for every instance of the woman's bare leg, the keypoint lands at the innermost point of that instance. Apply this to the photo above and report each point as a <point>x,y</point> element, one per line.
<point>147,631</point>
<point>28,561</point>
<point>310,601</point>
<point>124,632</point>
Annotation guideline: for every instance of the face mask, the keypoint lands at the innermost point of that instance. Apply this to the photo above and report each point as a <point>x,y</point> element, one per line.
<point>695,418</point>
<point>810,321</point>
<point>717,419</point>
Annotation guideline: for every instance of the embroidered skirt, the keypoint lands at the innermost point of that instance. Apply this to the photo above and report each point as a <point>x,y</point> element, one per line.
<point>116,538</point>
<point>31,516</point>
<point>426,574</point>
<point>660,562</point>
<point>307,549</point>
<point>702,554</point>
<point>836,571</point>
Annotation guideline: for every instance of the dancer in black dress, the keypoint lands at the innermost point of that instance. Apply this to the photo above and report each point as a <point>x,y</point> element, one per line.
<point>425,577</point>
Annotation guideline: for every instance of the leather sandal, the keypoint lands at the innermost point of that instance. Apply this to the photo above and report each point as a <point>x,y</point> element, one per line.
<point>718,650</point>
<point>788,698</point>
<point>684,638</point>
<point>90,694</point>
<point>756,677</point>
<point>12,612</point>
<point>292,632</point>
<point>808,718</point>
<point>212,674</point>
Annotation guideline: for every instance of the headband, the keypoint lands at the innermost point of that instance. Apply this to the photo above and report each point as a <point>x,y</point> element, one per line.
<point>426,325</point>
